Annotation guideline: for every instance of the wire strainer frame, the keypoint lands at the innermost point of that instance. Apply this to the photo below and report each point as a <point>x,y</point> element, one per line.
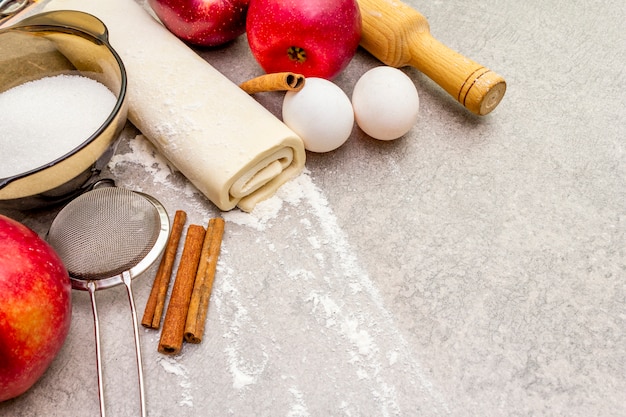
<point>125,277</point>
<point>143,265</point>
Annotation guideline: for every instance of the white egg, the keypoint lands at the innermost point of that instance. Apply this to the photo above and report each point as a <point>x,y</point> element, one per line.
<point>321,114</point>
<point>385,102</point>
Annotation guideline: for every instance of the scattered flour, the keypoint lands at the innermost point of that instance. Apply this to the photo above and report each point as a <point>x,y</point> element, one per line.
<point>262,214</point>
<point>393,357</point>
<point>143,153</point>
<point>163,176</point>
<point>268,210</point>
<point>241,377</point>
<point>298,408</point>
<point>244,372</point>
<point>376,344</point>
<point>171,366</point>
<point>336,291</point>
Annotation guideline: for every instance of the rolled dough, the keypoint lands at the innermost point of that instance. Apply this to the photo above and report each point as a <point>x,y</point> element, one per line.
<point>228,145</point>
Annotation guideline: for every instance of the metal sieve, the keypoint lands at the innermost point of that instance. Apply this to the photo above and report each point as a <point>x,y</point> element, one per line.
<point>106,237</point>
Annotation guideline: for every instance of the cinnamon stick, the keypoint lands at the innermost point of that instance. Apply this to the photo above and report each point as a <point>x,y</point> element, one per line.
<point>174,324</point>
<point>279,81</point>
<point>156,301</point>
<point>199,304</point>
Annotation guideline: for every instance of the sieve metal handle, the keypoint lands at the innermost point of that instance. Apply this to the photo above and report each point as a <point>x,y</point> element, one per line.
<point>127,278</point>
<point>91,287</point>
<point>140,214</point>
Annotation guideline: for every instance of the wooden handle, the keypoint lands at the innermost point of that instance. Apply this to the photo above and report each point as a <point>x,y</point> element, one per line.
<point>398,35</point>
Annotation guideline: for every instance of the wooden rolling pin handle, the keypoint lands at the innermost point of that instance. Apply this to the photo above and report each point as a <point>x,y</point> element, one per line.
<point>476,87</point>
<point>398,35</point>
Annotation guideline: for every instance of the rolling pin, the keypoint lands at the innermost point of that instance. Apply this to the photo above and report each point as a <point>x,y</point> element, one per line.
<point>398,35</point>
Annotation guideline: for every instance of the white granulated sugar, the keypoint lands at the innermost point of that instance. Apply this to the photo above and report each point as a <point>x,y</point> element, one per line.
<point>45,119</point>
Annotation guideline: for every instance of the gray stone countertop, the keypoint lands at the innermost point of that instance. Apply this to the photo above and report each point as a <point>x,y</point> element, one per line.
<point>474,267</point>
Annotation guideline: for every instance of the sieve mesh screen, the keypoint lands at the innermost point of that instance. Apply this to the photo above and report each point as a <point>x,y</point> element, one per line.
<point>104,232</point>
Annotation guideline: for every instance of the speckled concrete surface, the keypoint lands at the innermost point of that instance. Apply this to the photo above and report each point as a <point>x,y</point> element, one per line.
<point>475,267</point>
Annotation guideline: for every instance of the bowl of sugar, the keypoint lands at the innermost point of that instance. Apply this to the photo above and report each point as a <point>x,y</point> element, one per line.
<point>62,107</point>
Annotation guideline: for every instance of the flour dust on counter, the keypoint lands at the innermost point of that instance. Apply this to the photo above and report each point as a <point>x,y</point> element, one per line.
<point>158,176</point>
<point>143,153</point>
<point>295,323</point>
<point>316,295</point>
<point>173,367</point>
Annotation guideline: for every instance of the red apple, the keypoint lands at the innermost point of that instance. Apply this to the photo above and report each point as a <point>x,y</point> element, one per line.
<point>203,22</point>
<point>315,38</point>
<point>35,307</point>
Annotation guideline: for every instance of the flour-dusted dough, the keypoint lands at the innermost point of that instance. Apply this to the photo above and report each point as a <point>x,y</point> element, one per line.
<point>229,146</point>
